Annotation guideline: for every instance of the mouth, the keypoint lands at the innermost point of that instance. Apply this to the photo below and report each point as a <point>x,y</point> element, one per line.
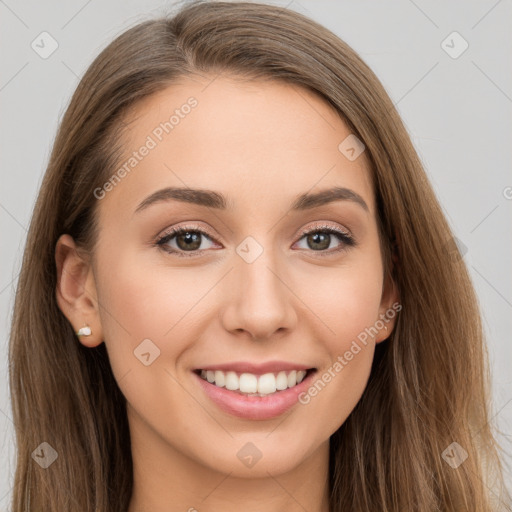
<point>255,385</point>
<point>263,395</point>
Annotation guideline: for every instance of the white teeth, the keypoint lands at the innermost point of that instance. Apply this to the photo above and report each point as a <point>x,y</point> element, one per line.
<point>220,379</point>
<point>281,381</point>
<point>248,383</point>
<point>266,384</point>
<point>232,381</point>
<point>253,384</point>
<point>292,378</point>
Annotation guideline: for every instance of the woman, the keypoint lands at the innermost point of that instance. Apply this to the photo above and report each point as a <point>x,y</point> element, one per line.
<point>239,289</point>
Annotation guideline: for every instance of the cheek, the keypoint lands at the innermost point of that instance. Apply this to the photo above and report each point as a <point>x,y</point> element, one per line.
<point>141,303</point>
<point>349,308</point>
<point>144,322</point>
<point>344,300</point>
<point>347,301</point>
<point>145,300</point>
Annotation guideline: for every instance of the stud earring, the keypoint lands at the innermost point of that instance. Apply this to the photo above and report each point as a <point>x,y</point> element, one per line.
<point>386,327</point>
<point>84,331</point>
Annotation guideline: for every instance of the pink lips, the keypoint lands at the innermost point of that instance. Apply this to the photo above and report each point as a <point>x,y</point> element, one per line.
<point>254,407</point>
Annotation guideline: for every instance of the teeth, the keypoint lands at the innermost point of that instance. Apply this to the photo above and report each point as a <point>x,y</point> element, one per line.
<point>248,383</point>
<point>281,381</point>
<point>254,385</point>
<point>292,378</point>
<point>266,384</point>
<point>219,380</point>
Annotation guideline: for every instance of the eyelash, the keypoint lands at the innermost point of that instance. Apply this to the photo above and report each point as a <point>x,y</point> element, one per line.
<point>342,236</point>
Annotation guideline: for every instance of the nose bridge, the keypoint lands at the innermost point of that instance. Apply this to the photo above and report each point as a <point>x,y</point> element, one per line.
<point>261,303</point>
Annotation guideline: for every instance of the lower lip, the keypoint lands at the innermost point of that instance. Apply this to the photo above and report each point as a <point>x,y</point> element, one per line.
<point>254,407</point>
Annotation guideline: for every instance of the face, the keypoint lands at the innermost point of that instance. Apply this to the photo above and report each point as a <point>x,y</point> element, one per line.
<point>258,282</point>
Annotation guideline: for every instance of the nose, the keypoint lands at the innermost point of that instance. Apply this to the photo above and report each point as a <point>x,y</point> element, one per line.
<point>259,300</point>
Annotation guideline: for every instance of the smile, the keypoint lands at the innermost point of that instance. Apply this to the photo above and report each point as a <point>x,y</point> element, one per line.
<point>251,384</point>
<point>263,395</point>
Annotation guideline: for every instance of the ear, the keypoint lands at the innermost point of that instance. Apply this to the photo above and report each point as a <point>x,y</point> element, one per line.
<point>388,310</point>
<point>76,290</point>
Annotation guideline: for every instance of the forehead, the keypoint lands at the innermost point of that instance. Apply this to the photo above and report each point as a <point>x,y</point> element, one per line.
<point>250,139</point>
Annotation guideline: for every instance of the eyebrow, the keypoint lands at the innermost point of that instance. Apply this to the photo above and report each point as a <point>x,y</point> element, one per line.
<point>212,199</point>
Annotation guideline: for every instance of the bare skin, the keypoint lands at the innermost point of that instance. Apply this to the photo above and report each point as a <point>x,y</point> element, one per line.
<point>260,144</point>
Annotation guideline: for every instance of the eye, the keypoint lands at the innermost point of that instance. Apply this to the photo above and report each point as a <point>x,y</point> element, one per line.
<point>187,239</point>
<point>319,239</point>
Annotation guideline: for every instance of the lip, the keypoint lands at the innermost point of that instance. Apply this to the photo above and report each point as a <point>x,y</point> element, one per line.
<point>256,368</point>
<point>254,407</point>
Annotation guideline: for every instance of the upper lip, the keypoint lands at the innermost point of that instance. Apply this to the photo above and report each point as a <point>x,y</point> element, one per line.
<point>256,368</point>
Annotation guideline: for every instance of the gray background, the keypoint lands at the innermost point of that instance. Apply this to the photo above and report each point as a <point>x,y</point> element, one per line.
<point>457,111</point>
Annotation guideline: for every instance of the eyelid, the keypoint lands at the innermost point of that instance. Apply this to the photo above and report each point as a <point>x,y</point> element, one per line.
<point>186,227</point>
<point>324,225</point>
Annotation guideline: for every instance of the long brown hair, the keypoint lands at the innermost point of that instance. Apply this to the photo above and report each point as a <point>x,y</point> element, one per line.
<point>429,384</point>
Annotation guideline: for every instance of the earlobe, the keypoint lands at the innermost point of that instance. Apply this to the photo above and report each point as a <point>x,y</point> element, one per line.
<point>76,291</point>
